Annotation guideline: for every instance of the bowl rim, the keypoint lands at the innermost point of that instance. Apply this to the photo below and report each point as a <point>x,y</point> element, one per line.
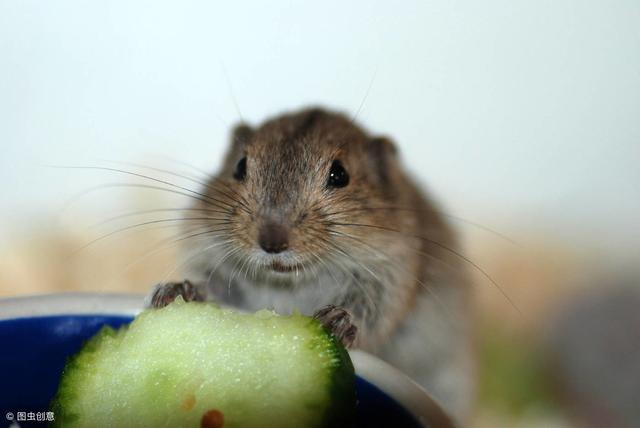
<point>406,392</point>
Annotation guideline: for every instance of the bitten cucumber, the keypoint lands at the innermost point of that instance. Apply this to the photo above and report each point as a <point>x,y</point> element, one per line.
<point>193,364</point>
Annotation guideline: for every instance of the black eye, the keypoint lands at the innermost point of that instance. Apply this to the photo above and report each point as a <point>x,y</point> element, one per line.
<point>241,169</point>
<point>338,176</point>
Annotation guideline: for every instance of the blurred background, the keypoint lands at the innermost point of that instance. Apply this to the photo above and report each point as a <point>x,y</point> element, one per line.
<point>522,118</point>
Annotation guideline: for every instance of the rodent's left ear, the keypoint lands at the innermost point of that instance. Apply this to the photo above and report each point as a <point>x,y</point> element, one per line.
<point>382,156</point>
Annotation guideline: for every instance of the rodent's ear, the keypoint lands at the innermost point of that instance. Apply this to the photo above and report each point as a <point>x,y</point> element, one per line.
<point>241,135</point>
<point>382,156</point>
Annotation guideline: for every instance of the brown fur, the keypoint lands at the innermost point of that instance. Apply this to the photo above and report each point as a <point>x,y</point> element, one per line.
<point>377,247</point>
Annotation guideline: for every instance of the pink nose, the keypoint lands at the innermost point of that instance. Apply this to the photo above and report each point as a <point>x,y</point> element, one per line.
<point>274,238</point>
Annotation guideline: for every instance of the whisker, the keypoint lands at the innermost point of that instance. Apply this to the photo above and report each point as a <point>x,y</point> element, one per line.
<point>232,274</point>
<point>231,278</point>
<point>231,91</point>
<point>158,210</point>
<point>442,246</point>
<point>164,244</point>
<point>189,259</point>
<point>85,192</point>
<point>194,168</point>
<point>357,262</point>
<point>134,226</point>
<point>372,304</point>
<point>251,261</point>
<point>206,185</point>
<point>395,264</point>
<point>227,254</point>
<point>234,192</point>
<point>366,95</point>
<point>148,177</point>
<point>429,211</point>
<point>337,248</point>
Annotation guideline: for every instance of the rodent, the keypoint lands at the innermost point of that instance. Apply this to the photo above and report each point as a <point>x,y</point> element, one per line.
<point>310,210</point>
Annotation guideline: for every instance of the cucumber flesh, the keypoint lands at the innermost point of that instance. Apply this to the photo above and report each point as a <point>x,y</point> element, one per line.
<point>172,366</point>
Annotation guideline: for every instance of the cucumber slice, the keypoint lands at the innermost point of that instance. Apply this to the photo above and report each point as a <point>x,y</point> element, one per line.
<point>172,366</point>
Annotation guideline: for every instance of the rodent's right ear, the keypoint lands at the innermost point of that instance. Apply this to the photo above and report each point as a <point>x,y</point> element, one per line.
<point>382,156</point>
<point>241,135</point>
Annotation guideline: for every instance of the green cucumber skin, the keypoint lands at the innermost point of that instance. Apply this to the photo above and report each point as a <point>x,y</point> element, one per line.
<point>67,390</point>
<point>340,412</point>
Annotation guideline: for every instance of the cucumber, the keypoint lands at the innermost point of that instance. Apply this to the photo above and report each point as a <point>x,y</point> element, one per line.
<point>197,365</point>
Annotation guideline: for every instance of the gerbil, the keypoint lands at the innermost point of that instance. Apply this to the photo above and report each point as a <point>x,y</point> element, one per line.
<point>309,210</point>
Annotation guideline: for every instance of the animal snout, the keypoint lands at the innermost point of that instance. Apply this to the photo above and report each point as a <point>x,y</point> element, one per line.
<point>274,238</point>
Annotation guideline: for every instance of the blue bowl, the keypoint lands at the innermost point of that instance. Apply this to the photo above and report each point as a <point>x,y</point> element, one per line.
<point>36,346</point>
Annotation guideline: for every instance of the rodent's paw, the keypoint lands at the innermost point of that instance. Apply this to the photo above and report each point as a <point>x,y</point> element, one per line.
<point>338,321</point>
<point>165,293</point>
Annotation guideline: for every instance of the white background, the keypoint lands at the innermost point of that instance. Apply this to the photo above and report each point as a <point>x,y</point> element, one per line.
<point>521,116</point>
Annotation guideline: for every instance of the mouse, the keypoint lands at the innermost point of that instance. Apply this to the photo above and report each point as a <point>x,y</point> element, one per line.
<point>311,212</point>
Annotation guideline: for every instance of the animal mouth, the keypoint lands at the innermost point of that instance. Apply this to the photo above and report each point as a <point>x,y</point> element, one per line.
<point>282,268</point>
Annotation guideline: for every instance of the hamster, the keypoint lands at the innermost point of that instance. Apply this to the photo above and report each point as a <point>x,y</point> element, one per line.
<point>309,210</point>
